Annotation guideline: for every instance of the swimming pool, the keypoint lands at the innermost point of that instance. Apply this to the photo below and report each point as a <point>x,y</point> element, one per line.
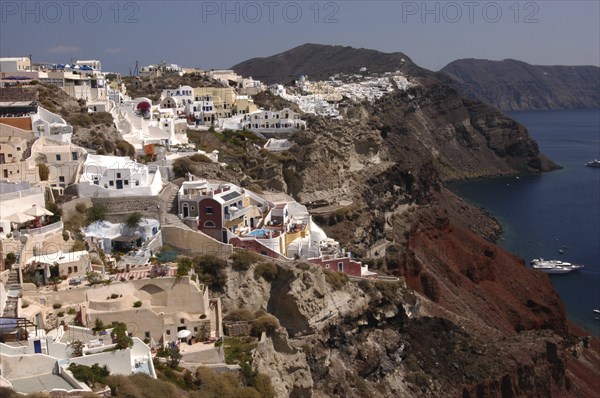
<point>259,233</point>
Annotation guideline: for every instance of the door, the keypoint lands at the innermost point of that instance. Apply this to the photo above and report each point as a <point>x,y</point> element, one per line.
<point>37,346</point>
<point>119,184</point>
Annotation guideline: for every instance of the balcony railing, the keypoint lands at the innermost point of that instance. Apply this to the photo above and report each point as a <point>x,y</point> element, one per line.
<point>57,226</point>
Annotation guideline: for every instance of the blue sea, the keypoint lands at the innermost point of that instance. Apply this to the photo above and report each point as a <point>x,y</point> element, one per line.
<point>554,211</point>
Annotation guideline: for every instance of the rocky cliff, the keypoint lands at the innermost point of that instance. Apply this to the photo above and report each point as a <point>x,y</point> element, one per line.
<point>516,85</point>
<point>470,320</point>
<point>382,339</point>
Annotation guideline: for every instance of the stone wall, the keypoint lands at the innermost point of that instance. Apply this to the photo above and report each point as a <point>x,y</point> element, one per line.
<point>236,329</point>
<point>193,242</point>
<point>120,208</point>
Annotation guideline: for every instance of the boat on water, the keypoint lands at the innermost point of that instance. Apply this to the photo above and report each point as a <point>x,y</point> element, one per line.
<point>554,266</point>
<point>593,163</point>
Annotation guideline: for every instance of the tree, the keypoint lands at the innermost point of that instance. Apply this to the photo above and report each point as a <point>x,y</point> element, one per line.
<point>76,347</point>
<point>43,171</point>
<point>120,336</point>
<point>96,213</point>
<point>94,278</point>
<point>174,357</point>
<point>10,259</point>
<point>184,266</point>
<point>133,220</point>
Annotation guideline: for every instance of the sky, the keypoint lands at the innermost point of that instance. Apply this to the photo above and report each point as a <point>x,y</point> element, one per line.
<point>219,34</point>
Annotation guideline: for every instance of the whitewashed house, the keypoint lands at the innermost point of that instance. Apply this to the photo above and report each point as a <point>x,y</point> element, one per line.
<point>47,124</point>
<point>115,176</point>
<point>281,121</point>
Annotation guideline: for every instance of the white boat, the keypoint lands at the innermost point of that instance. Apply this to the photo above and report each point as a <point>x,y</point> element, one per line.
<point>593,163</point>
<point>554,266</point>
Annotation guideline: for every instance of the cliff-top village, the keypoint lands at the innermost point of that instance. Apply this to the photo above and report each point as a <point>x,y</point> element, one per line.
<point>91,266</point>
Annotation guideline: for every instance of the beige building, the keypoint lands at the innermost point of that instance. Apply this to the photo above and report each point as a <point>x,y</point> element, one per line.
<point>15,64</point>
<point>64,160</point>
<point>13,150</point>
<point>168,306</point>
<point>224,99</point>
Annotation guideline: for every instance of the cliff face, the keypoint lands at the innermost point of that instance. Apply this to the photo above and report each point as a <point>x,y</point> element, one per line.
<point>381,339</point>
<point>471,320</point>
<point>516,85</point>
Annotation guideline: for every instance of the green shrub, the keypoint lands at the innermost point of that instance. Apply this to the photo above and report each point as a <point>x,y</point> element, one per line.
<point>133,220</point>
<point>266,323</point>
<point>304,266</point>
<point>336,279</point>
<point>211,271</point>
<point>200,158</point>
<point>43,171</point>
<point>137,304</point>
<point>71,311</point>
<point>389,290</point>
<point>241,314</point>
<point>90,375</point>
<point>266,270</point>
<point>60,314</point>
<point>183,166</point>
<point>10,259</point>
<point>96,213</point>
<point>24,304</point>
<point>78,246</point>
<point>56,305</point>
<point>114,296</point>
<point>243,259</point>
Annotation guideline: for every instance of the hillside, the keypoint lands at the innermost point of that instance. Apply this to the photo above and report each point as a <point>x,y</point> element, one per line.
<point>516,85</point>
<point>319,62</point>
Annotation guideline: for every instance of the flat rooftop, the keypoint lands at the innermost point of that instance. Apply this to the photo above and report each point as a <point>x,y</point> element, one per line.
<point>46,382</point>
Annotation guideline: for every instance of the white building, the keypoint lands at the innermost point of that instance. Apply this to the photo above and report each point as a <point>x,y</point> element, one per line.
<point>281,121</point>
<point>16,200</point>
<point>111,236</point>
<point>158,125</point>
<point>115,176</point>
<point>47,124</point>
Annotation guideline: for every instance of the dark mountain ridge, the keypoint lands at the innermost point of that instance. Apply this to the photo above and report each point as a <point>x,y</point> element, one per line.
<point>319,62</point>
<point>515,85</point>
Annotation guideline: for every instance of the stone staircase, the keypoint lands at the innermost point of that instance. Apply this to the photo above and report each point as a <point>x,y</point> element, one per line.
<point>13,280</point>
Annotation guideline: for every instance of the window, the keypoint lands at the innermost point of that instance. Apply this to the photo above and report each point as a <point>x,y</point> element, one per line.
<point>18,148</point>
<point>208,210</point>
<point>57,157</point>
<point>147,335</point>
<point>61,179</point>
<point>10,155</point>
<point>340,267</point>
<point>75,268</point>
<point>74,156</point>
<point>118,175</point>
<point>209,224</point>
<point>137,183</point>
<point>168,332</point>
<point>126,182</point>
<point>111,183</point>
<point>70,270</point>
<point>195,328</point>
<point>193,208</point>
<point>182,321</point>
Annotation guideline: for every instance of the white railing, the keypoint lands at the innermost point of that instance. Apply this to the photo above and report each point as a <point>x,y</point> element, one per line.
<point>45,229</point>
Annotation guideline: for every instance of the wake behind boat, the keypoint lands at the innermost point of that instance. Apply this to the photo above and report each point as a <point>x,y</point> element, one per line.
<point>554,266</point>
